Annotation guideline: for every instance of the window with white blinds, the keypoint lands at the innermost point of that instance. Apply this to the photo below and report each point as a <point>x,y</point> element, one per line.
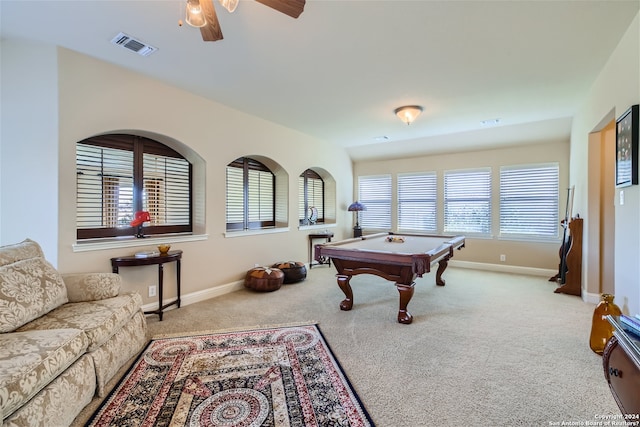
<point>250,195</point>
<point>467,201</point>
<point>310,195</point>
<point>166,189</point>
<point>374,192</point>
<point>104,187</point>
<point>110,187</point>
<point>417,202</point>
<point>529,201</point>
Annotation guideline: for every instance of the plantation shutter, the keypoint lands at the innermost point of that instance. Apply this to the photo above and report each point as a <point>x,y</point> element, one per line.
<point>302,208</point>
<point>529,197</point>
<point>310,194</point>
<point>104,187</point>
<point>374,192</point>
<point>260,187</point>
<point>417,194</point>
<point>467,201</point>
<point>315,190</point>
<point>166,189</point>
<point>235,198</point>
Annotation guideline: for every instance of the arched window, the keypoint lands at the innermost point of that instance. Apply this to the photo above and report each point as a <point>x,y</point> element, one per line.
<point>119,175</point>
<point>310,198</point>
<point>251,195</point>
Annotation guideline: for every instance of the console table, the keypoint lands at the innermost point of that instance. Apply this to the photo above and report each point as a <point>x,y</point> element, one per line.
<point>327,235</point>
<point>159,260</point>
<point>621,363</point>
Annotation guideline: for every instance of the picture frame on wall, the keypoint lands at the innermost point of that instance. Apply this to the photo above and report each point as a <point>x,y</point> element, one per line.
<point>627,129</point>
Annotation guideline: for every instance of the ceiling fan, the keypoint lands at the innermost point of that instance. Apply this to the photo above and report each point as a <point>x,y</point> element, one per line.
<point>202,14</point>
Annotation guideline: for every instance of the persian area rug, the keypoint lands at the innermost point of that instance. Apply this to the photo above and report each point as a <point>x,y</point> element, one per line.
<point>266,377</point>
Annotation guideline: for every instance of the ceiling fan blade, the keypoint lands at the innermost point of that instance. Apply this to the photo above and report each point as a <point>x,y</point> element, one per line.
<point>212,31</point>
<point>293,8</point>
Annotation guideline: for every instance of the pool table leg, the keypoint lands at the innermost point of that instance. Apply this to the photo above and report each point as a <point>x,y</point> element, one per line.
<point>343,282</point>
<point>442,266</point>
<point>406,293</point>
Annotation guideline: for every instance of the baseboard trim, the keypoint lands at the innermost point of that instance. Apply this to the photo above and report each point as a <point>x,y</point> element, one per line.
<point>501,268</point>
<point>590,297</point>
<point>198,296</point>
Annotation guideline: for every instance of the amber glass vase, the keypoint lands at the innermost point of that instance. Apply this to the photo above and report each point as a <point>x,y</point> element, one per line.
<point>601,329</point>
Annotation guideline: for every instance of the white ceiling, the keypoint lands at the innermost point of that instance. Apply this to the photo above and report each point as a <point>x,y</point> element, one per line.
<point>338,72</point>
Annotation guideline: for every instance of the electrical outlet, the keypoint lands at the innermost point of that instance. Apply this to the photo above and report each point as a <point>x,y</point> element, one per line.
<point>503,257</point>
<point>152,290</point>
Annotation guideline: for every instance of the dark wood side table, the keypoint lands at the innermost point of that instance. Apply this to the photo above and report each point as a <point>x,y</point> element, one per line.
<point>621,363</point>
<point>327,235</point>
<point>160,260</point>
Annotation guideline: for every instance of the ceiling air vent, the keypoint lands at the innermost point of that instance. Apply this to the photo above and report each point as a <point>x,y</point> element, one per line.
<point>132,44</point>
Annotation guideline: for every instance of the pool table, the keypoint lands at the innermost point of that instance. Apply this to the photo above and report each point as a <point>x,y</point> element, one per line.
<point>396,257</point>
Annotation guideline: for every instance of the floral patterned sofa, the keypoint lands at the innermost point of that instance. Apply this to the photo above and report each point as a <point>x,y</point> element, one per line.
<point>62,337</point>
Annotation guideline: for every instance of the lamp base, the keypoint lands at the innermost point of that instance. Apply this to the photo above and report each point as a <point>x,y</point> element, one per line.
<point>357,231</point>
<point>140,233</point>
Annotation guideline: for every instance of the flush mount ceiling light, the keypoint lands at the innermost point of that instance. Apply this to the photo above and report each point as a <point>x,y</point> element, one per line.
<point>408,113</point>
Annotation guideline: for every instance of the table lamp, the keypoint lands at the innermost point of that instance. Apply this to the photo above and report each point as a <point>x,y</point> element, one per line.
<point>357,207</point>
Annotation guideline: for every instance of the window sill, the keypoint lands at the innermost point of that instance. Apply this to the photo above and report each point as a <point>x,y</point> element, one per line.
<point>255,232</point>
<point>317,226</point>
<point>531,239</point>
<point>130,242</point>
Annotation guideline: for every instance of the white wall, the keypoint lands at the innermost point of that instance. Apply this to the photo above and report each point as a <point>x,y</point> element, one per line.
<point>95,97</point>
<point>29,146</point>
<point>616,89</point>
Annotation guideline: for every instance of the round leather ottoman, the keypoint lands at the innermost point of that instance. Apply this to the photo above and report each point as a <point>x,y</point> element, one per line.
<point>293,271</point>
<point>264,279</point>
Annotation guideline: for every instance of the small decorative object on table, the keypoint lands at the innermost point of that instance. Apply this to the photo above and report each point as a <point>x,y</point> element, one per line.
<point>264,279</point>
<point>601,329</point>
<point>313,215</point>
<point>294,271</point>
<point>138,221</point>
<point>146,254</point>
<point>164,249</point>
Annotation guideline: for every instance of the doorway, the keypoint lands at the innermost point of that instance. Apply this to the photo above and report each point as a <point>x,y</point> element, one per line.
<point>601,210</point>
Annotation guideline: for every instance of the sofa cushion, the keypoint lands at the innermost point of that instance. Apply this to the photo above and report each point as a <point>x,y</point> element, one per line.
<point>29,361</point>
<point>26,249</point>
<point>29,288</point>
<point>92,286</point>
<point>98,319</point>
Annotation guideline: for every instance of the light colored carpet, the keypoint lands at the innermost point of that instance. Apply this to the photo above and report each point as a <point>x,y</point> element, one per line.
<point>487,349</point>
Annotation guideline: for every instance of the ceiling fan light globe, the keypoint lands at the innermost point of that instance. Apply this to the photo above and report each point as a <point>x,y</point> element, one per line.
<point>230,5</point>
<point>194,15</point>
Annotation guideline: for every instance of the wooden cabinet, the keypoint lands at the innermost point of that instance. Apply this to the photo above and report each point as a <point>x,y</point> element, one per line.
<point>621,362</point>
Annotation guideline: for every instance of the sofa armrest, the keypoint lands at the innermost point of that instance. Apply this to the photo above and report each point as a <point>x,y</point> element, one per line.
<point>91,286</point>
